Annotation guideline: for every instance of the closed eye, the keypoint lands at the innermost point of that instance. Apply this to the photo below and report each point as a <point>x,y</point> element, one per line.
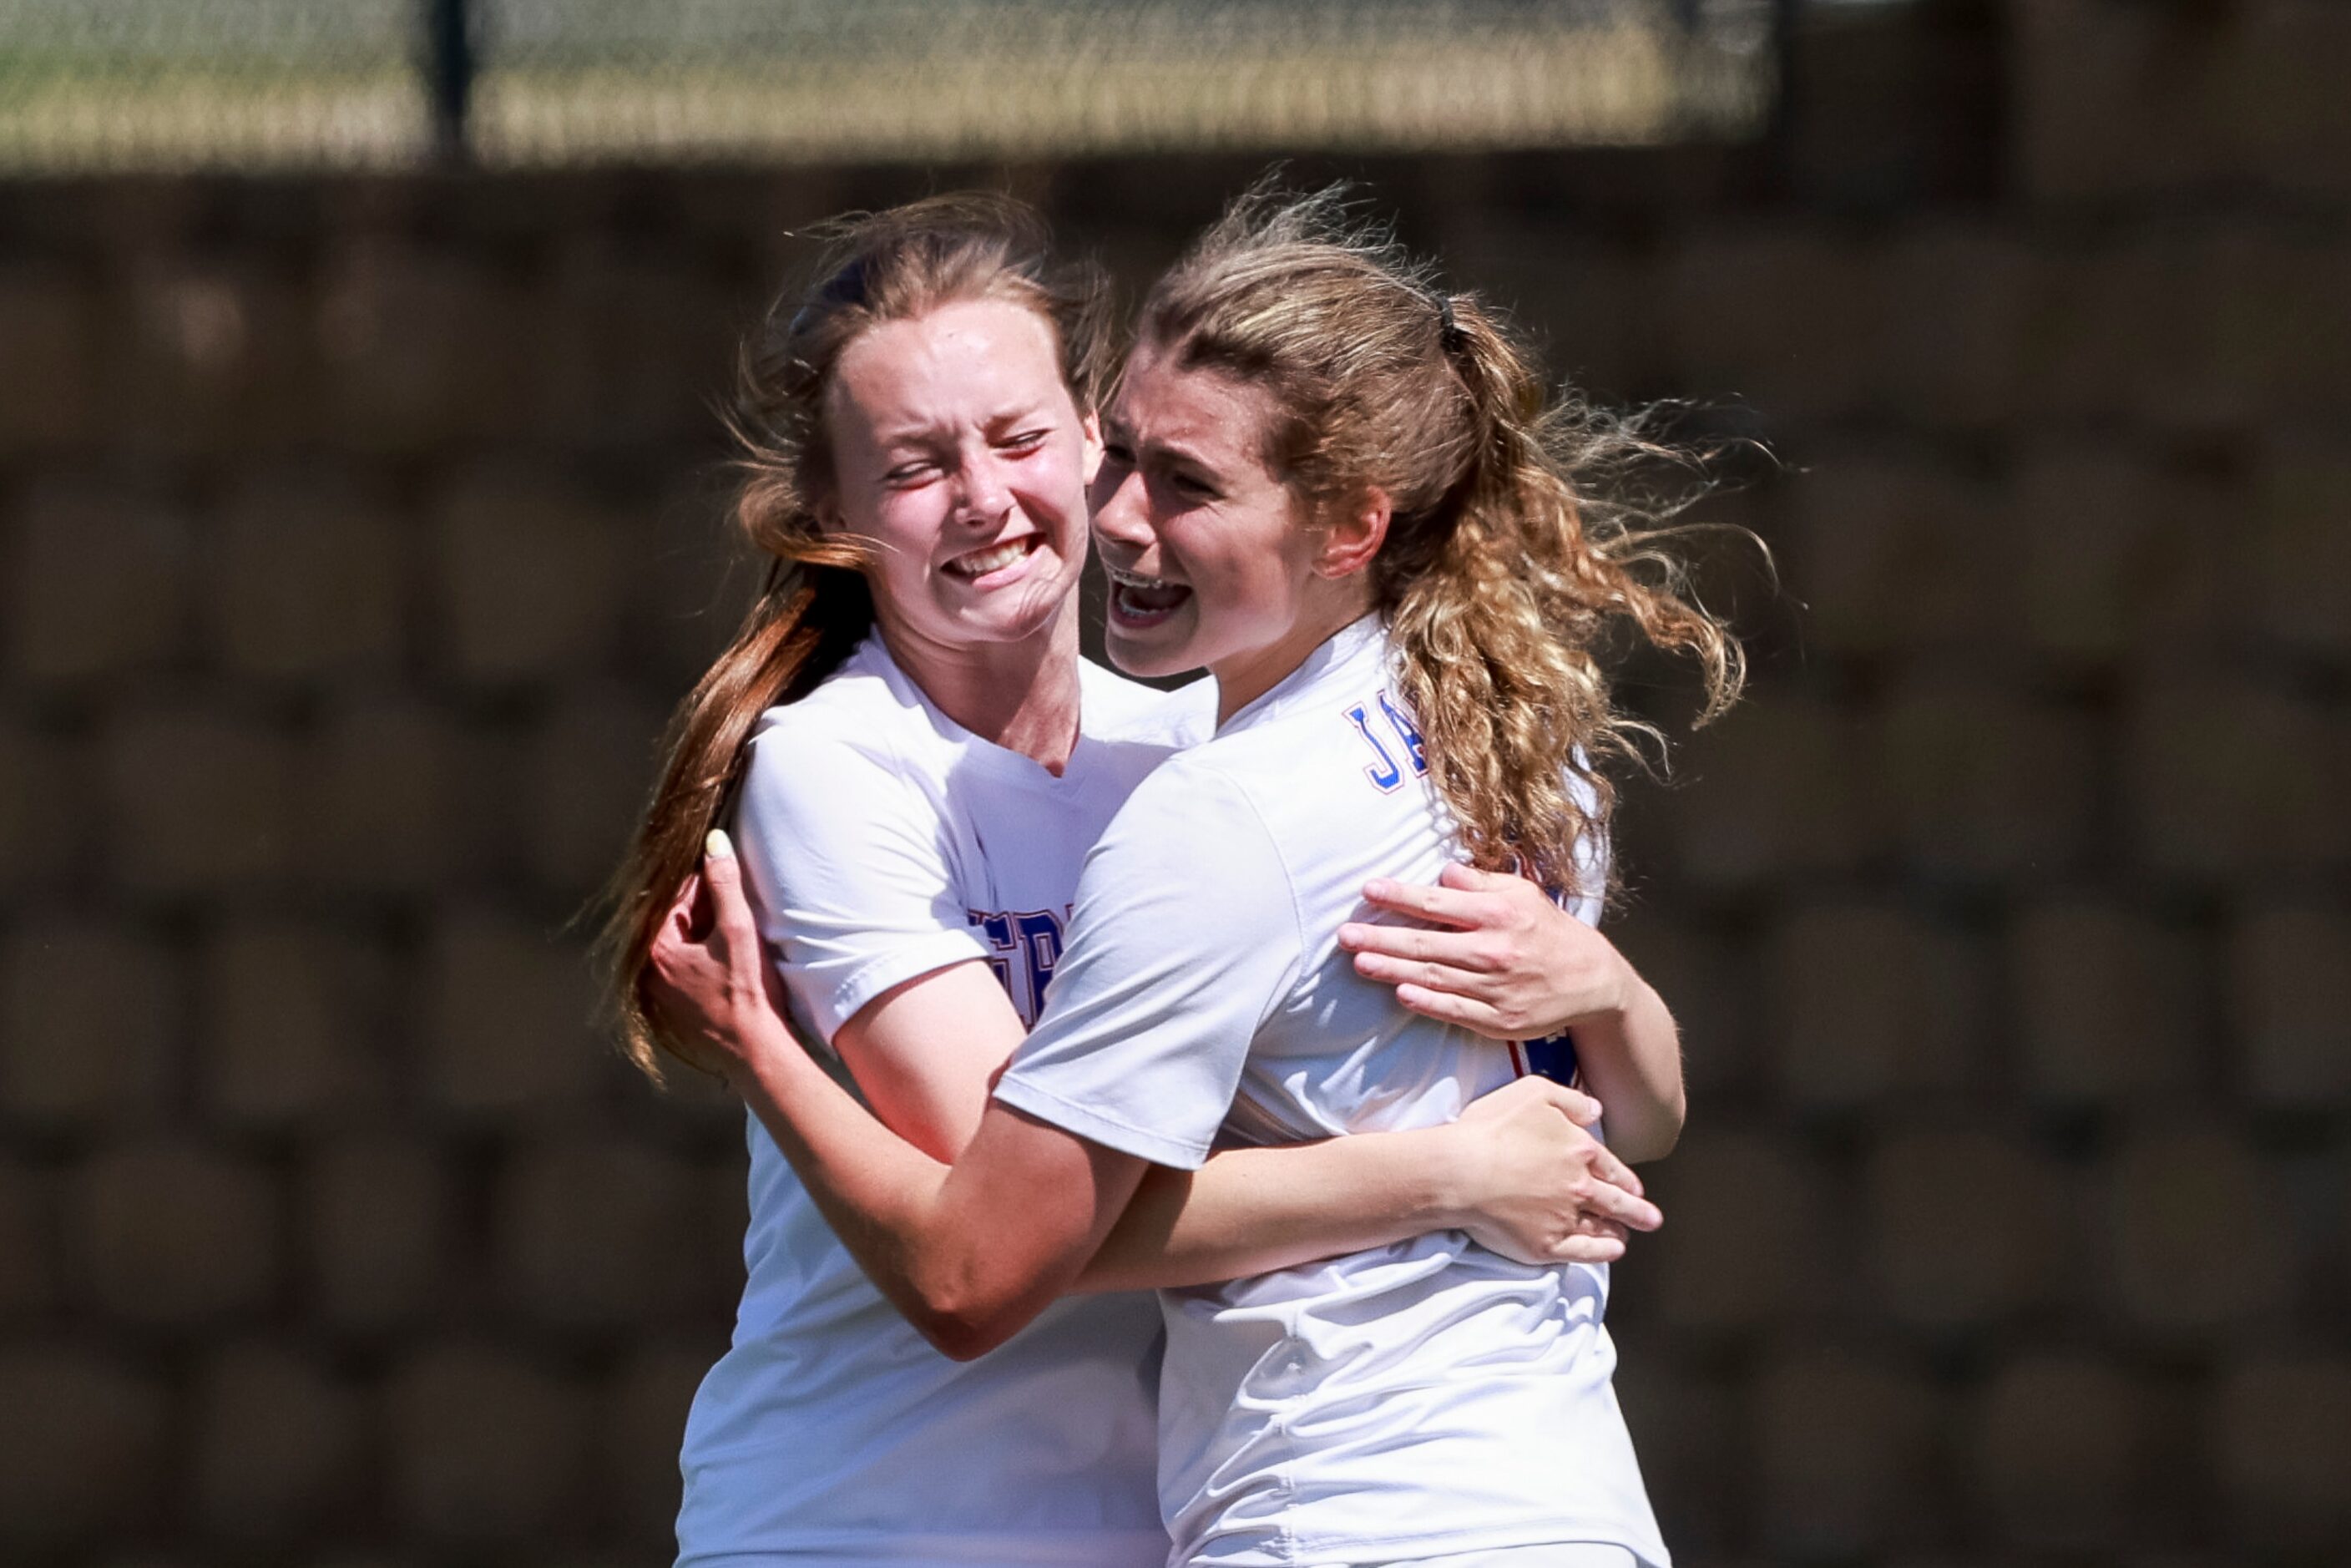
<point>1191,487</point>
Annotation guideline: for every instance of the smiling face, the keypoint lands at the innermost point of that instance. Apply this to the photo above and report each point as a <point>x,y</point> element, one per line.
<point>1210,560</point>
<point>959,455</point>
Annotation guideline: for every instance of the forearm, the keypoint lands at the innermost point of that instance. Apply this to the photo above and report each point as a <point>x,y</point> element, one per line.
<point>968,1254</point>
<point>882,1195</point>
<point>1251,1211</point>
<point>1631,1061</point>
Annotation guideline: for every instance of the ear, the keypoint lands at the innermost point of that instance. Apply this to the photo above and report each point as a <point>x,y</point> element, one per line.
<point>1091,425</point>
<point>1354,536</point>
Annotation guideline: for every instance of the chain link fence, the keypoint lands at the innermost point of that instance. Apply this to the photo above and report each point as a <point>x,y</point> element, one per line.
<point>91,85</point>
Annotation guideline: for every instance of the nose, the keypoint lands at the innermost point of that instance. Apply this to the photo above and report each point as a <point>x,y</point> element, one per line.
<point>1121,512</point>
<point>984,496</point>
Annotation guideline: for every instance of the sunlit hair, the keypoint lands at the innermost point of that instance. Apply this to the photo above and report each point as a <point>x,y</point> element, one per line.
<point>814,606</point>
<point>1524,534</point>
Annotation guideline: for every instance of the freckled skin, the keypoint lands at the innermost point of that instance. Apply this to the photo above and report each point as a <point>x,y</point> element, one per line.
<point>1184,494</point>
<point>950,434</point>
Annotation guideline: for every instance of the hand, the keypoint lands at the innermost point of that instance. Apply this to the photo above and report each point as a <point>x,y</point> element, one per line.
<point>707,987</point>
<point>1495,955</point>
<point>1543,1189</point>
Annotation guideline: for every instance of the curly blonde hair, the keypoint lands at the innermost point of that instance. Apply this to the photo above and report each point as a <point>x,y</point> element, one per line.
<point>1520,539</point>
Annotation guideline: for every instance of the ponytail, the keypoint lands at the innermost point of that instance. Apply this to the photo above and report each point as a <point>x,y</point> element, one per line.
<point>1500,627</point>
<point>1522,537</point>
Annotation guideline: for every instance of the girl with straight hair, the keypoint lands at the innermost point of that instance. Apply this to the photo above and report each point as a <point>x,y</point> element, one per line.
<point>1346,492</point>
<point>928,761</point>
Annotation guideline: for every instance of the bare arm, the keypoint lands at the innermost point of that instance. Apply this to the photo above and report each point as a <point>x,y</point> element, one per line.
<point>969,1253</point>
<point>1520,1173</point>
<point>1495,955</point>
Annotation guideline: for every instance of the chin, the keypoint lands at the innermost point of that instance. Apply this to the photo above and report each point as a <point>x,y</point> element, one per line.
<point>1147,661</point>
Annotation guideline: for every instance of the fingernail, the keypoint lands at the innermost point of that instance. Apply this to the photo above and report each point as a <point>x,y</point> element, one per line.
<point>719,846</point>
<point>1379,887</point>
<point>1350,935</point>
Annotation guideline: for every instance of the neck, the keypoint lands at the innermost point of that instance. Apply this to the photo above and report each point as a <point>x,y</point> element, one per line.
<point>1245,678</point>
<point>1022,696</point>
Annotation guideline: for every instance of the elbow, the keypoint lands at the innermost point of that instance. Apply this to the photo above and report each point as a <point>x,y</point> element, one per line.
<point>966,1335</point>
<point>1655,1138</point>
<point>961,1338</point>
<point>962,1324</point>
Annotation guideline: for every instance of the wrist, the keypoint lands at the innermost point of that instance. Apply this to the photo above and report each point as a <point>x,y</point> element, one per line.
<point>1455,1178</point>
<point>1624,988</point>
<point>760,1056</point>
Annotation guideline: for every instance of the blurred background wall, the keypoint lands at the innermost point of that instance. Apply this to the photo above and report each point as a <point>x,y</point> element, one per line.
<point>358,525</point>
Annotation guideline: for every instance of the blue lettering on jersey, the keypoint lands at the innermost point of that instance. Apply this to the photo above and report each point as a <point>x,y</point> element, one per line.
<point>1551,1057</point>
<point>1386,775</point>
<point>1027,946</point>
<point>1406,731</point>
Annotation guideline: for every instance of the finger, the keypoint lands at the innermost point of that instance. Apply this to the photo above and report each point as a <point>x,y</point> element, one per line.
<point>722,875</point>
<point>1450,1007</point>
<point>1463,877</point>
<point>680,918</point>
<point>1462,949</point>
<point>1506,884</point>
<point>1447,905</point>
<point>1617,1173</point>
<point>1633,1213</point>
<point>1576,1105</point>
<point>1433,973</point>
<point>1589,1250</point>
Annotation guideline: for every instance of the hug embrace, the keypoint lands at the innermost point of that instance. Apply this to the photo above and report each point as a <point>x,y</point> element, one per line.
<point>1187,1126</point>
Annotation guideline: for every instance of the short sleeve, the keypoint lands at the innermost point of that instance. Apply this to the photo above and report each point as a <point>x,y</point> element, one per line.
<point>1185,939</point>
<point>1592,877</point>
<point>851,874</point>
<point>1590,894</point>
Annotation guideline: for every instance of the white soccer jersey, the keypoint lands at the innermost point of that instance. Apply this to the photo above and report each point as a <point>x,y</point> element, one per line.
<point>1421,1398</point>
<point>881,842</point>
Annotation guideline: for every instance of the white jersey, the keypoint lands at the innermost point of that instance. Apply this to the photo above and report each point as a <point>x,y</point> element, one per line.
<point>879,842</point>
<point>1422,1398</point>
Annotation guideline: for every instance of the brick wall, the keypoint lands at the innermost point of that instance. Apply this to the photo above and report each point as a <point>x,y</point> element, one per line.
<point>355,535</point>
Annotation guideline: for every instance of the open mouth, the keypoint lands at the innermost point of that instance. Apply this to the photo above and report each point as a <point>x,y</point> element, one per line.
<point>1137,602</point>
<point>978,563</point>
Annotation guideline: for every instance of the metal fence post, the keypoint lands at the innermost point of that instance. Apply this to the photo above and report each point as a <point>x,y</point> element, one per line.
<point>448,65</point>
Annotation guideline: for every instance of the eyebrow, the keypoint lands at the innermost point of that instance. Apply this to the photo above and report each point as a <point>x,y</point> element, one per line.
<point>1114,427</point>
<point>1011,413</point>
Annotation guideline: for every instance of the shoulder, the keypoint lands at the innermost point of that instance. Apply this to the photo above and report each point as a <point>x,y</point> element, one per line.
<point>1117,708</point>
<point>1194,819</point>
<point>1290,772</point>
<point>1186,783</point>
<point>851,747</point>
<point>856,701</point>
